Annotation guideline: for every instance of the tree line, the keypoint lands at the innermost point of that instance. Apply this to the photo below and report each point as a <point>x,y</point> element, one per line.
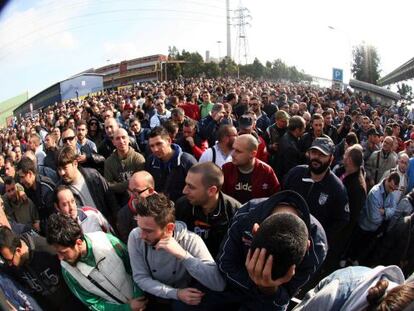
<point>193,65</point>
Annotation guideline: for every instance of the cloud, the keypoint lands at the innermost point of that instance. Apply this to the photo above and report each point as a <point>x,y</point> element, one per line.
<point>45,26</point>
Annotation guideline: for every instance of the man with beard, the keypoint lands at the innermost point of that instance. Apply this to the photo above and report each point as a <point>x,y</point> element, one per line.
<point>324,192</point>
<point>32,262</point>
<point>204,208</point>
<point>380,161</point>
<point>20,210</point>
<point>221,152</point>
<point>401,169</point>
<point>95,266</point>
<point>168,261</point>
<point>315,132</point>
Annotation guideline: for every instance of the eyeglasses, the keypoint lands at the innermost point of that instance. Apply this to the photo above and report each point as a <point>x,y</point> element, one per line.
<point>9,261</point>
<point>66,139</point>
<point>137,192</point>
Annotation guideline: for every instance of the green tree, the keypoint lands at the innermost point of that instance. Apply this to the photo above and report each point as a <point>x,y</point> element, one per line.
<point>228,67</point>
<point>365,65</point>
<point>211,70</point>
<point>194,64</point>
<point>405,91</point>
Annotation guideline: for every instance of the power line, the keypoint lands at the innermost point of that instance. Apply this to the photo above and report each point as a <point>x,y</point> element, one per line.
<point>241,21</point>
<point>132,20</point>
<point>50,25</point>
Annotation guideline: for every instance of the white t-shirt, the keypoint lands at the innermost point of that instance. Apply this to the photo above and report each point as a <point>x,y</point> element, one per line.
<point>221,158</point>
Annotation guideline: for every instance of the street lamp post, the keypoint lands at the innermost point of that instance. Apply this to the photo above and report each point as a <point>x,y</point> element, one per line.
<point>219,48</point>
<point>348,39</point>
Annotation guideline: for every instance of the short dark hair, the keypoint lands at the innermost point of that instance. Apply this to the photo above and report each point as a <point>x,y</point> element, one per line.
<point>351,139</point>
<point>8,180</point>
<point>394,177</point>
<point>63,230</point>
<point>285,237</point>
<point>223,131</point>
<point>157,206</point>
<point>212,175</point>
<point>296,122</point>
<point>189,123</point>
<point>356,155</point>
<point>25,165</point>
<point>9,239</point>
<point>59,189</point>
<point>65,156</point>
<point>159,131</point>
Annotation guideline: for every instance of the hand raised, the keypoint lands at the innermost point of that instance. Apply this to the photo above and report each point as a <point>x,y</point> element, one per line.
<point>171,246</point>
<point>260,271</point>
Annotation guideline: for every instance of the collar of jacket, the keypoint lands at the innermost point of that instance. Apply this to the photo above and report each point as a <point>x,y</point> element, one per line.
<point>173,162</point>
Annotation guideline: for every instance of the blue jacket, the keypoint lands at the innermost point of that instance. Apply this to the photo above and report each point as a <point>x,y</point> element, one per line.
<point>371,218</point>
<point>346,289</point>
<point>169,177</point>
<point>231,259</point>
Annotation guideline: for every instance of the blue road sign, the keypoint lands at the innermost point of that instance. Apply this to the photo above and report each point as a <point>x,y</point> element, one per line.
<point>337,74</point>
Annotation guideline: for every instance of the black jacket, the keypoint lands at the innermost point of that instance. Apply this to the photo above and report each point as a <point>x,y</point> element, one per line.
<point>327,199</point>
<point>289,155</point>
<point>42,276</point>
<point>98,187</point>
<point>211,228</point>
<point>231,260</point>
<point>43,198</point>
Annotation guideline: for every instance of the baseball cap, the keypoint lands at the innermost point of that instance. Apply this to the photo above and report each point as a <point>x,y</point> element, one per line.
<point>245,122</point>
<point>324,145</point>
<point>282,115</point>
<point>373,132</point>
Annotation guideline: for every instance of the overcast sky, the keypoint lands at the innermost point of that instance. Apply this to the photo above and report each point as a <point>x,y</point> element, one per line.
<point>43,42</point>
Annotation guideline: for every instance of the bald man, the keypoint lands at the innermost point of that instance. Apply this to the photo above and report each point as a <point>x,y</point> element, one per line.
<point>107,146</point>
<point>140,185</point>
<point>120,166</point>
<point>247,177</point>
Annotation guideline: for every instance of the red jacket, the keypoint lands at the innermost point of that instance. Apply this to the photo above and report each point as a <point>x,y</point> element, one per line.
<point>263,180</point>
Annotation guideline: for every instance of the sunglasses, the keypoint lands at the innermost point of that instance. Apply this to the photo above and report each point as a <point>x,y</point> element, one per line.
<point>66,139</point>
<point>137,192</point>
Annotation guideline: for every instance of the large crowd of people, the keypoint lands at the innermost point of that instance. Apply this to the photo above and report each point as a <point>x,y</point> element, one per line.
<point>206,194</point>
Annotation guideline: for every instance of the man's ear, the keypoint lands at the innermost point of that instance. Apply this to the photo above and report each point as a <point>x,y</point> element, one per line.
<point>170,227</point>
<point>308,245</point>
<point>255,228</point>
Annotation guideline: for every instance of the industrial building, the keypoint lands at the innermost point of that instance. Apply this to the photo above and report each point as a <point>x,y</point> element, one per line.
<point>74,87</point>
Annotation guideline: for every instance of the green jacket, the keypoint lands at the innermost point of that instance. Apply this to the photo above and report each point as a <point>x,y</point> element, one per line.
<point>92,301</point>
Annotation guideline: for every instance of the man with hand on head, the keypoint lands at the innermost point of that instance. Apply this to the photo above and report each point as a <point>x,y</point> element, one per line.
<point>167,260</point>
<point>272,249</point>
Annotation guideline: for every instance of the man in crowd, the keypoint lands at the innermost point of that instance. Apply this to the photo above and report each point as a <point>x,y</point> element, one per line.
<point>38,188</point>
<point>379,207</point>
<point>273,135</point>
<point>315,132</point>
<point>380,161</point>
<point>401,169</point>
<point>324,192</point>
<point>329,129</point>
<point>120,166</point>
<point>89,218</point>
<point>35,264</point>
<point>210,124</point>
<point>165,256</point>
<point>257,280</point>
<point>262,120</point>
<point>17,208</point>
<point>247,177</point>
<point>88,186</point>
<point>35,144</point>
<point>140,186</point>
<point>289,153</point>
<point>373,143</point>
<point>168,164</point>
<point>204,208</point>
<point>95,266</point>
<point>191,142</point>
<point>160,115</point>
<point>222,150</point>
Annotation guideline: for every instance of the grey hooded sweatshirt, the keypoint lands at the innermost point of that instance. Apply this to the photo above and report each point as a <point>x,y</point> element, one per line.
<point>162,274</point>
